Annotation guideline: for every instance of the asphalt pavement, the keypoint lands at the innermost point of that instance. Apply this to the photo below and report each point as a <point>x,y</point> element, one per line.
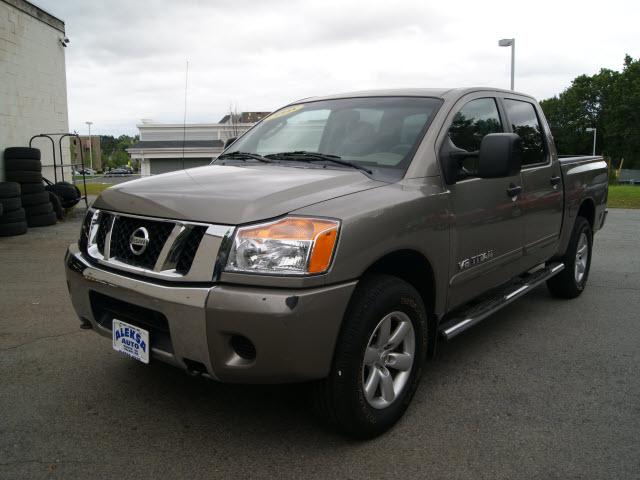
<point>544,389</point>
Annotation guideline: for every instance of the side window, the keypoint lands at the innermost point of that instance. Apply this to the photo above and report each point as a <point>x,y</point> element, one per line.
<point>524,121</point>
<point>475,120</point>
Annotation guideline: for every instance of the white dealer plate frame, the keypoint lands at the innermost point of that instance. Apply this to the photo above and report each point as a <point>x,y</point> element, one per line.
<point>131,340</point>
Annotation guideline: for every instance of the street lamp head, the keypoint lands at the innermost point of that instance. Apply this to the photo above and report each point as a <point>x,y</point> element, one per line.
<point>590,129</point>
<point>89,123</point>
<point>506,42</point>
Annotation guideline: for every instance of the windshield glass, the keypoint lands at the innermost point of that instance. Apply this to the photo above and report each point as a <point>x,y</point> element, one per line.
<point>379,133</point>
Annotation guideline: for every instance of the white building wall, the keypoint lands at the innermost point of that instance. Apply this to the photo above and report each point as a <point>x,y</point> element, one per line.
<point>33,84</point>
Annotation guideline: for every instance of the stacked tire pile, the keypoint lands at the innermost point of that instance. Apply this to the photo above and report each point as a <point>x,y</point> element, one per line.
<point>22,165</point>
<point>12,215</point>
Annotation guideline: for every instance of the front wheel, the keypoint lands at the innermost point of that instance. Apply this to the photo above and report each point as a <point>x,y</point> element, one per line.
<point>577,261</point>
<point>378,358</point>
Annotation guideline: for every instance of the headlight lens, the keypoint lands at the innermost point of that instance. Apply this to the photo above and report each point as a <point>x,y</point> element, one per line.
<point>292,245</point>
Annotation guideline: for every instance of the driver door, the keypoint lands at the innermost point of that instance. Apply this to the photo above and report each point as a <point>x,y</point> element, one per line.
<point>487,235</point>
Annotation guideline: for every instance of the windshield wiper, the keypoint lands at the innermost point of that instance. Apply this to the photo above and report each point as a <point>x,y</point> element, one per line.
<point>244,156</point>
<point>304,156</point>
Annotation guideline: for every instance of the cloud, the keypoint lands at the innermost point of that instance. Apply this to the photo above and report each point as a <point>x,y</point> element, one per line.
<point>127,59</point>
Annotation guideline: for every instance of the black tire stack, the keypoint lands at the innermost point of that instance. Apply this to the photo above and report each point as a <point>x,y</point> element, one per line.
<point>22,165</point>
<point>12,215</point>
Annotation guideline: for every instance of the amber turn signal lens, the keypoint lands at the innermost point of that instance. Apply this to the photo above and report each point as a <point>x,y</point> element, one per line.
<point>323,250</point>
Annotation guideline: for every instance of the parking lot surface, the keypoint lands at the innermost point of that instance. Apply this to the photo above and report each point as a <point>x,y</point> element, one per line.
<point>544,389</point>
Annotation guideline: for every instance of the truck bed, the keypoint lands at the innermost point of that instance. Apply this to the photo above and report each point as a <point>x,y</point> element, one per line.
<point>584,178</point>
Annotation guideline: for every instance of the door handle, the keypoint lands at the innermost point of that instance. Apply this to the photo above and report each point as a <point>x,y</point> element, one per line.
<point>555,181</point>
<point>514,190</point>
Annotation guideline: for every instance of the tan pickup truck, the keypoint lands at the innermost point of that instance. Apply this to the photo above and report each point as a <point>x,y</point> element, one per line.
<point>337,241</point>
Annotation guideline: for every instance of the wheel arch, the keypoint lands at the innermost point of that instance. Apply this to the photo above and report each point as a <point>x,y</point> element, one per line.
<point>414,268</point>
<point>588,210</point>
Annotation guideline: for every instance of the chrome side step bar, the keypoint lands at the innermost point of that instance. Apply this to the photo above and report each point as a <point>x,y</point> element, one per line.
<point>497,299</point>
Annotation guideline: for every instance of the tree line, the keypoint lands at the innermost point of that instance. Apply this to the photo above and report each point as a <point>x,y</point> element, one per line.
<point>608,101</point>
<point>114,150</point>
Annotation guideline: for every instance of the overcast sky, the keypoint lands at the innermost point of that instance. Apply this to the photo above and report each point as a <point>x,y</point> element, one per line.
<point>126,60</point>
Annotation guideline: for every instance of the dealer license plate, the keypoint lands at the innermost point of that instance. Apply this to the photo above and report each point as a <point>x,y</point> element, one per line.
<point>131,340</point>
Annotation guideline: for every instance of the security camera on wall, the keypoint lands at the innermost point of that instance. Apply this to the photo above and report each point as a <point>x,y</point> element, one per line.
<point>64,41</point>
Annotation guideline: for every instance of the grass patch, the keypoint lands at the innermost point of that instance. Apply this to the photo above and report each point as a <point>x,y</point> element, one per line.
<point>94,188</point>
<point>624,196</point>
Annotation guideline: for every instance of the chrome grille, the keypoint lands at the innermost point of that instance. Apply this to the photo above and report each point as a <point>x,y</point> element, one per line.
<point>121,233</point>
<point>189,249</point>
<point>172,249</point>
<point>104,224</point>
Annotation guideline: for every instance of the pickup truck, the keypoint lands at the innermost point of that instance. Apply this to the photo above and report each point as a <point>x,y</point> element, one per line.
<point>338,241</point>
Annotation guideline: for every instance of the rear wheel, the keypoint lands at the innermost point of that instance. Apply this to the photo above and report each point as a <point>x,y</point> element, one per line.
<point>572,281</point>
<point>378,359</point>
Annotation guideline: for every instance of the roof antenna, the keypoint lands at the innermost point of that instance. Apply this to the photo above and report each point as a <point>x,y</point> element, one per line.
<point>184,120</point>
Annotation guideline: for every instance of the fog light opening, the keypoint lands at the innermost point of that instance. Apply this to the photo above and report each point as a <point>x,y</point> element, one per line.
<point>243,347</point>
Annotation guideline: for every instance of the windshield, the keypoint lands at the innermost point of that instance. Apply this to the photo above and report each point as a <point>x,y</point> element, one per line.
<point>378,133</point>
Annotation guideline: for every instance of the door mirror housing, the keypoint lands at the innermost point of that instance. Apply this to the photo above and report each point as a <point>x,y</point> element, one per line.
<point>229,142</point>
<point>500,155</point>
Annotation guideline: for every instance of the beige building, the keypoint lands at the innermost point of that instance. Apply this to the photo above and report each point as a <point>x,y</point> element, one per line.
<point>167,147</point>
<point>89,147</point>
<point>33,84</point>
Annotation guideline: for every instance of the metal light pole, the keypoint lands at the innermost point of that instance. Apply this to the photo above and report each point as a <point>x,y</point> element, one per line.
<point>90,146</point>
<point>595,132</point>
<point>510,42</point>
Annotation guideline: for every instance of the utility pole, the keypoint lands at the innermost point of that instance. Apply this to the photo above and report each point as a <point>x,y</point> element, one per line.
<point>510,42</point>
<point>595,132</point>
<point>90,146</point>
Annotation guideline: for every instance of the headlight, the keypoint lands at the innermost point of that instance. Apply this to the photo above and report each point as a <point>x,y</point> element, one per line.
<point>291,246</point>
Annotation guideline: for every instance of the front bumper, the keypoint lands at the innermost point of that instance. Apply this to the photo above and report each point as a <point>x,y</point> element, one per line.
<point>293,331</point>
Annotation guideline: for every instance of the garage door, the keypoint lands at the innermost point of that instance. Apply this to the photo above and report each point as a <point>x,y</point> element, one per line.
<point>164,165</point>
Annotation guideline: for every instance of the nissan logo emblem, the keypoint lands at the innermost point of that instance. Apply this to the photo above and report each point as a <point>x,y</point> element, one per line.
<point>139,240</point>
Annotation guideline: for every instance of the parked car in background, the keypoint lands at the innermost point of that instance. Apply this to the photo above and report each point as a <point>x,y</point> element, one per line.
<point>85,171</point>
<point>120,171</point>
<point>337,241</point>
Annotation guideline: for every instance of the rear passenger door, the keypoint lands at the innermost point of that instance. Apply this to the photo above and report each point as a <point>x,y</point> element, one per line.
<point>487,235</point>
<point>541,199</point>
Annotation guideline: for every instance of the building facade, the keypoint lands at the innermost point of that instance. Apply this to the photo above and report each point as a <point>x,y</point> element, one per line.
<point>33,84</point>
<point>88,148</point>
<point>168,147</point>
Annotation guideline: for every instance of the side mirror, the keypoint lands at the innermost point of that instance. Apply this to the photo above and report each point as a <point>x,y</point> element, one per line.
<point>500,155</point>
<point>229,142</point>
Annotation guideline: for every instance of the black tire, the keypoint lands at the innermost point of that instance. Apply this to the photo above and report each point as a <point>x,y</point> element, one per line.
<point>42,220</point>
<point>57,206</point>
<point>11,229</point>
<point>24,164</point>
<point>28,188</point>
<point>35,210</point>
<point>9,189</point>
<point>65,190</point>
<point>35,198</point>
<point>69,194</point>
<point>10,204</point>
<point>22,152</point>
<point>12,217</point>
<point>340,399</point>
<point>22,176</point>
<point>565,284</point>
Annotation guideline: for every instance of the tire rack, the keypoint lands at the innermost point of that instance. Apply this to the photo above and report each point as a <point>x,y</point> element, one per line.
<point>62,165</point>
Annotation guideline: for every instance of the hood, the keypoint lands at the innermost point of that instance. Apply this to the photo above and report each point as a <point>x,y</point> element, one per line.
<point>232,194</point>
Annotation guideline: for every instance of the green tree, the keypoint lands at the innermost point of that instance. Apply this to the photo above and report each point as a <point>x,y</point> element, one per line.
<point>114,149</point>
<point>608,101</point>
